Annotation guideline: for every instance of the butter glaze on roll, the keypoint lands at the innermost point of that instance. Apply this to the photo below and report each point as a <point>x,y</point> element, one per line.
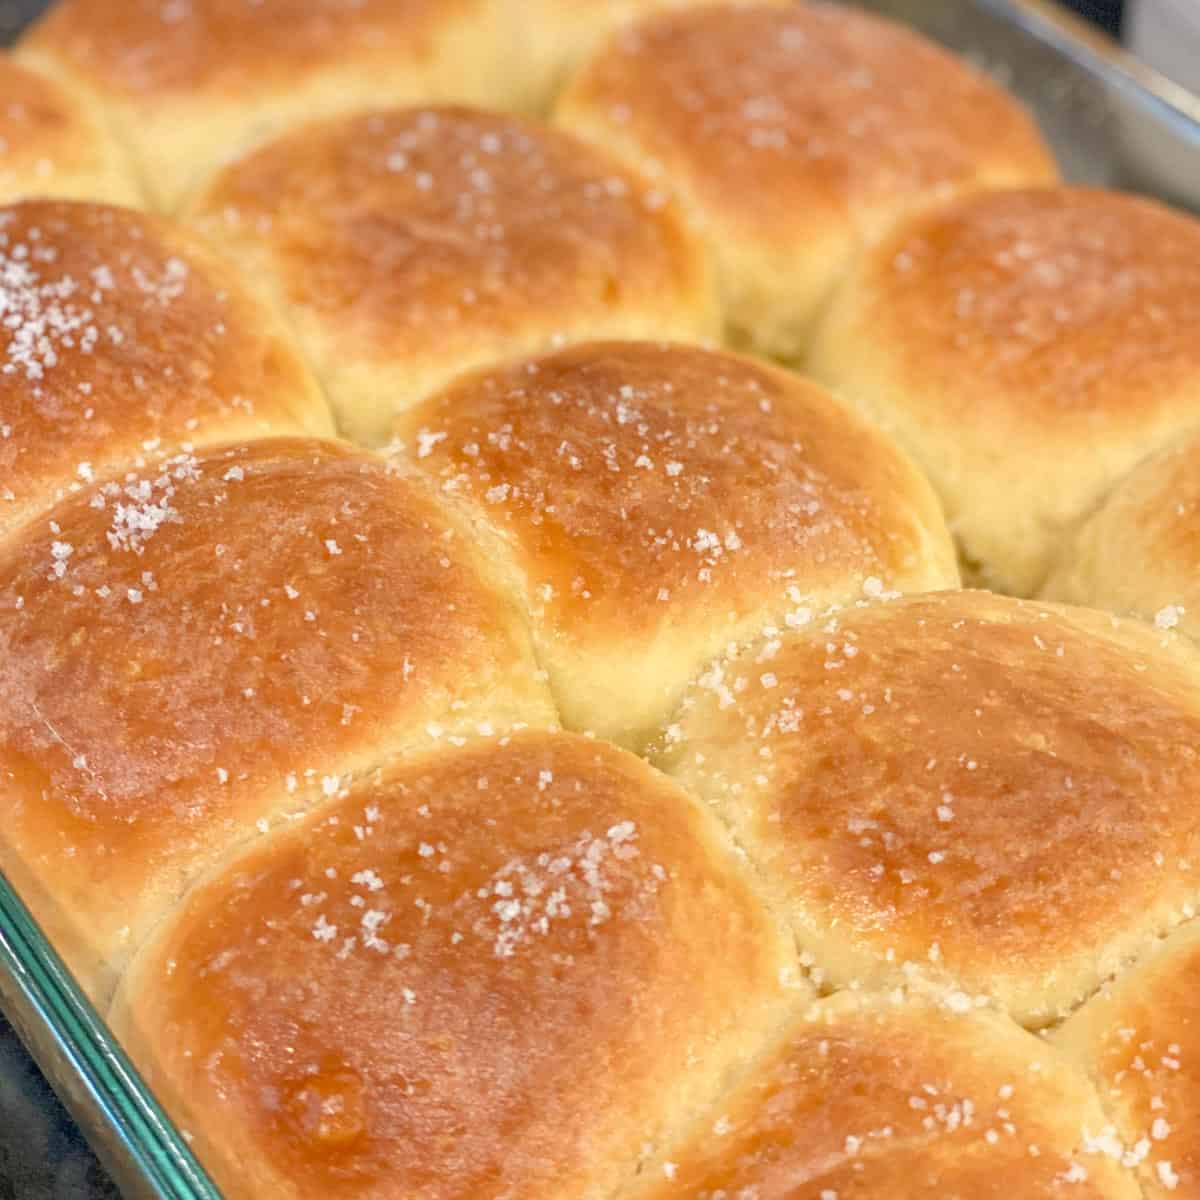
<point>187,83</point>
<point>793,134</point>
<point>412,245</point>
<point>196,650</point>
<point>656,502</point>
<point>53,144</point>
<point>121,336</point>
<point>993,795</point>
<point>1139,1039</point>
<point>1028,349</point>
<point>509,970</point>
<point>877,1099</point>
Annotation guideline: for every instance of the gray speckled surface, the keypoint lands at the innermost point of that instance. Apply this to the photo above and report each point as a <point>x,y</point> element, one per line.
<point>42,1157</point>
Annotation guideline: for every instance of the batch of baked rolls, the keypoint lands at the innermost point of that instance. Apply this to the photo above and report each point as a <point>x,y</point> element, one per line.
<point>595,602</point>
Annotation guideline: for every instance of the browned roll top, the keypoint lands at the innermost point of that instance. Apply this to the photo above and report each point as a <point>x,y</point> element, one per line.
<point>1028,348</point>
<point>187,82</point>
<point>993,795</point>
<point>194,650</point>
<point>412,244</point>
<point>123,337</point>
<point>503,971</point>
<point>795,133</point>
<point>657,502</point>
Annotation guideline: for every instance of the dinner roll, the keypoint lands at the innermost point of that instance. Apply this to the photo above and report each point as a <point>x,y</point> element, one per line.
<point>551,37</point>
<point>197,649</point>
<point>1140,551</point>
<point>411,245</point>
<point>188,83</point>
<point>51,143</point>
<point>1028,348</point>
<point>505,971</point>
<point>655,502</point>
<point>994,795</point>
<point>1140,1040</point>
<point>122,336</point>
<point>868,1099</point>
<point>792,134</point>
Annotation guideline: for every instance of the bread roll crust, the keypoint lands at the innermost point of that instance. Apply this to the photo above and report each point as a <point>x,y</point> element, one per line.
<point>1028,348</point>
<point>657,502</point>
<point>190,82</point>
<point>505,970</point>
<point>217,45</point>
<point>1139,552</point>
<point>553,37</point>
<point>193,651</point>
<point>1139,1039</point>
<point>990,793</point>
<point>413,244</point>
<point>123,336</point>
<point>794,132</point>
<point>878,1100</point>
<point>52,145</point>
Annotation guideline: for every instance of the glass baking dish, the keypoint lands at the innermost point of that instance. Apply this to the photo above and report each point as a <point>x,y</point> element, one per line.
<point>1101,111</point>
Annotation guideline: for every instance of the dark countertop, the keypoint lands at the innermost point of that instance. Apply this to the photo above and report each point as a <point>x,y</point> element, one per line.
<point>42,1157</point>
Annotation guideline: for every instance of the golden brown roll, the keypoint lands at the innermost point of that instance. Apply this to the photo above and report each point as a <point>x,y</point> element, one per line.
<point>122,337</point>
<point>1139,1039</point>
<point>872,1099</point>
<point>506,971</point>
<point>203,647</point>
<point>52,144</point>
<point>1028,348</point>
<point>412,245</point>
<point>1139,552</point>
<point>551,37</point>
<point>654,503</point>
<point>792,134</point>
<point>187,83</point>
<point>997,796</point>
